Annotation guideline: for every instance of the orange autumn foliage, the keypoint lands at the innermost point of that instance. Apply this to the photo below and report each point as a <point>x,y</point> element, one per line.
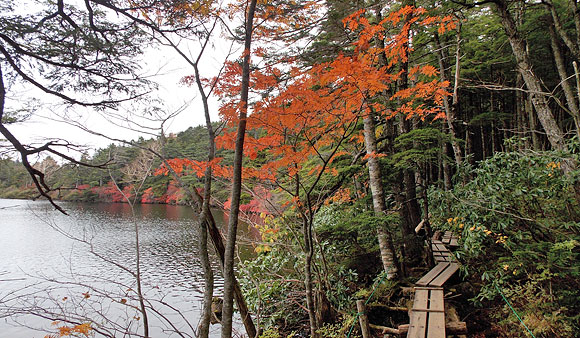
<point>314,110</point>
<point>397,44</point>
<point>323,103</point>
<point>80,330</point>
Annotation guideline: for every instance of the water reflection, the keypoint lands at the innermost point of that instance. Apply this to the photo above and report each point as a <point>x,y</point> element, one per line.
<point>37,252</point>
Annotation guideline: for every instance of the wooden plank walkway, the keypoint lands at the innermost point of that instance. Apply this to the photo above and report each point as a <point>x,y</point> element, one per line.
<point>427,317</point>
<point>449,240</point>
<point>437,276</point>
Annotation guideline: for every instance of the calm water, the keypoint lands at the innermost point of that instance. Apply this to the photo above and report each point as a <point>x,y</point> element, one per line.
<point>54,265</point>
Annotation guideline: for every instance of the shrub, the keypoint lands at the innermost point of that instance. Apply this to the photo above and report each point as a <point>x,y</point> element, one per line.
<point>517,220</point>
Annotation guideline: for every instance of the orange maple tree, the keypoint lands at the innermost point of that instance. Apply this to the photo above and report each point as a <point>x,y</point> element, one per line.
<point>323,103</point>
<point>300,119</point>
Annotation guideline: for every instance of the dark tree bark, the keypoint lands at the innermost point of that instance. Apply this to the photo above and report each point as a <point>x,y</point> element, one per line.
<point>208,276</point>
<point>229,277</point>
<point>308,283</point>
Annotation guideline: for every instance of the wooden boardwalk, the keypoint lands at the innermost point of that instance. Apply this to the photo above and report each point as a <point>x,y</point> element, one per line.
<point>427,317</point>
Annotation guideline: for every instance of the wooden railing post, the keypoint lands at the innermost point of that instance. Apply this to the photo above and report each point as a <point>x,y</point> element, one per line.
<point>363,319</point>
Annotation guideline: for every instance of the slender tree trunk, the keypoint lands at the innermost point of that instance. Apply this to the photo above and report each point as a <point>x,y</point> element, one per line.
<point>446,168</point>
<point>2,98</point>
<point>229,277</point>
<point>218,243</point>
<point>202,223</point>
<point>483,144</point>
<point>532,125</point>
<point>138,273</point>
<point>138,281</point>
<point>577,76</point>
<point>523,97</point>
<point>493,138</point>
<point>308,284</point>
<point>384,236</point>
<point>412,247</point>
<point>574,46</point>
<point>576,15</point>
<point>388,256</point>
<point>521,117</point>
<point>450,109</point>
<point>427,224</point>
<point>545,115</point>
<point>409,181</point>
<point>568,91</point>
<point>468,145</point>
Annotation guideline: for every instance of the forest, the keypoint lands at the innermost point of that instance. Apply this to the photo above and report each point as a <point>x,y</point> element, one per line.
<point>349,134</point>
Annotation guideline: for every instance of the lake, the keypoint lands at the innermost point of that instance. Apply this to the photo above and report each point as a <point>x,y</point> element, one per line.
<point>75,267</point>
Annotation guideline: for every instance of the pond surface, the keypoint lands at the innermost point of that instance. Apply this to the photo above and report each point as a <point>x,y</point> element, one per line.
<point>80,267</point>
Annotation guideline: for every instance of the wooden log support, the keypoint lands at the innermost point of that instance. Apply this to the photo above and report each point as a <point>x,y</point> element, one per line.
<point>363,319</point>
<point>437,235</point>
<point>385,329</point>
<point>451,328</point>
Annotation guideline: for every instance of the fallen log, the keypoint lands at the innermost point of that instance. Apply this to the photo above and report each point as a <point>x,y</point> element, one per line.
<point>450,328</point>
<point>384,329</point>
<point>390,308</point>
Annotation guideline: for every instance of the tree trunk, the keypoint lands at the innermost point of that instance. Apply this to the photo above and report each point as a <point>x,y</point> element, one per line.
<point>217,240</point>
<point>450,109</point>
<point>410,184</point>
<point>545,115</point>
<point>142,307</point>
<point>229,277</point>
<point>568,91</point>
<point>409,181</point>
<point>521,117</point>
<point>208,276</point>
<point>576,13</point>
<point>446,168</point>
<point>532,126</point>
<point>388,256</point>
<point>574,46</point>
<point>409,209</point>
<point>309,251</point>
<point>218,243</point>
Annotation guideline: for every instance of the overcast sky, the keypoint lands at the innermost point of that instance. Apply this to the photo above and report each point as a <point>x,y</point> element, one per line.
<point>162,65</point>
<point>172,94</point>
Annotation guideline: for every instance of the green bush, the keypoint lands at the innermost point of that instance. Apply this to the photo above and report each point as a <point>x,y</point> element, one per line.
<point>517,220</point>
